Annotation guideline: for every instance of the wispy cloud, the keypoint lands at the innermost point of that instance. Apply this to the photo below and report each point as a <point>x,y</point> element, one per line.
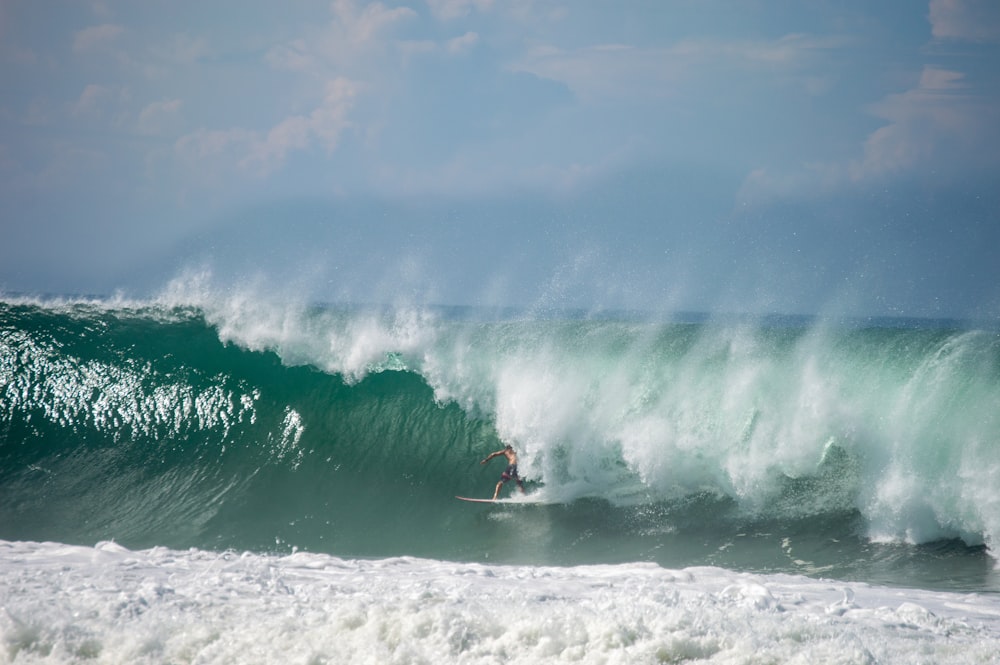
<point>452,47</point>
<point>96,37</point>
<point>462,44</point>
<point>263,152</point>
<point>624,70</point>
<point>364,26</point>
<point>935,123</point>
<point>967,20</point>
<point>938,125</point>
<point>183,49</point>
<point>295,56</point>
<point>323,126</point>
<point>350,44</point>
<point>90,100</point>
<point>355,53</point>
<point>155,117</point>
<point>452,9</point>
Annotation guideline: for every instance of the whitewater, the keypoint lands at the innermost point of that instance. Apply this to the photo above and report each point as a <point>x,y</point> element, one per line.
<point>215,476</point>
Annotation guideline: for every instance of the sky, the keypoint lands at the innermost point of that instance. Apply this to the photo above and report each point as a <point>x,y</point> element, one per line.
<point>711,155</point>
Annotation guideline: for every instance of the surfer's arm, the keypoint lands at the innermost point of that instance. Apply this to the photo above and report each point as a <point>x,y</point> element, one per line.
<point>491,456</point>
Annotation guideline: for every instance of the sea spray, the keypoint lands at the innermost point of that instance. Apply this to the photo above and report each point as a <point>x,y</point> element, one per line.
<point>735,408</point>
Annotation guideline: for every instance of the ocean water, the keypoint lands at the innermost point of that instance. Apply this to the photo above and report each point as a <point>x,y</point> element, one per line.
<point>213,476</point>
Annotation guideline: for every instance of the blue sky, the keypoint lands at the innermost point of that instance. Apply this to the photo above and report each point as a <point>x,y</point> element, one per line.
<point>672,154</point>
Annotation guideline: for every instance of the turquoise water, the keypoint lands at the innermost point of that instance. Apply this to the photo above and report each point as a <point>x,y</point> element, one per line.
<point>865,450</point>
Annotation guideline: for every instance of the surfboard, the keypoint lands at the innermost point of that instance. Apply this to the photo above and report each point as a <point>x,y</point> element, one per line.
<point>509,499</point>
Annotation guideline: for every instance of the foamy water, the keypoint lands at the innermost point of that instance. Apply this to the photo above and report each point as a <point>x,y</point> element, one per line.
<point>792,449</point>
<point>107,604</point>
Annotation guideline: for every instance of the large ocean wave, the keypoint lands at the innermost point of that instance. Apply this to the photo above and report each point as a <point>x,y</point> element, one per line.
<point>229,420</point>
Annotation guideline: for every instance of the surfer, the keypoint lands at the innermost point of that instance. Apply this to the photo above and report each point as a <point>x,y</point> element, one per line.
<point>510,472</point>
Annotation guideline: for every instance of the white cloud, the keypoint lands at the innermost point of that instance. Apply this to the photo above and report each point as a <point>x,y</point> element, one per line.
<point>157,116</point>
<point>788,51</point>
<point>364,26</point>
<point>263,153</point>
<point>330,119</point>
<point>103,104</point>
<point>621,70</point>
<point>348,45</point>
<point>344,57</point>
<point>462,44</point>
<point>455,46</point>
<point>763,185</point>
<point>941,125</point>
<point>452,9</point>
<point>96,37</point>
<point>967,20</point>
<point>91,100</point>
<point>602,71</point>
<point>938,122</point>
<point>294,57</point>
<point>324,125</point>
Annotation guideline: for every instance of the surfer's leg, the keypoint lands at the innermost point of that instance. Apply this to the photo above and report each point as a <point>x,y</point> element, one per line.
<point>511,472</point>
<point>496,492</point>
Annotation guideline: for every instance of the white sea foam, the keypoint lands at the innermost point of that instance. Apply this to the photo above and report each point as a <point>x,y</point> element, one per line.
<point>107,604</point>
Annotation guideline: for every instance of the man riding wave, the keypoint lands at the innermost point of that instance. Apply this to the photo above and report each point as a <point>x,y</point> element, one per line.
<point>509,472</point>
